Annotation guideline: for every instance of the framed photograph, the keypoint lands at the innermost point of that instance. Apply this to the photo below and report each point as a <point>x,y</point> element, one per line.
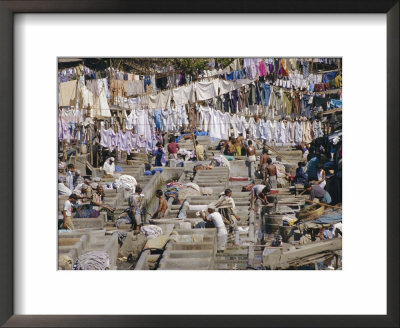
<point>205,160</point>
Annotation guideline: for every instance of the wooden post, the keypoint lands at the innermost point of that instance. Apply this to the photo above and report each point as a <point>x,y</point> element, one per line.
<point>194,145</point>
<point>91,151</point>
<point>322,204</point>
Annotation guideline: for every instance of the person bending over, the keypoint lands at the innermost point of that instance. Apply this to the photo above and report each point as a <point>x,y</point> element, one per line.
<point>162,206</point>
<point>317,192</point>
<point>222,234</point>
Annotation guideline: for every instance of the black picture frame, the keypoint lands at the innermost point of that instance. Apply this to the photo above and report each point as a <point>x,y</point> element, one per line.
<point>7,11</point>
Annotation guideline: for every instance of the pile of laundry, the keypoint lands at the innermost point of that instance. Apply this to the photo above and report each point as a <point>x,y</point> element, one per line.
<point>220,160</point>
<point>200,167</point>
<point>172,190</point>
<point>186,154</point>
<point>182,191</point>
<point>151,231</point>
<point>281,174</point>
<point>94,260</point>
<point>127,182</point>
<point>154,171</point>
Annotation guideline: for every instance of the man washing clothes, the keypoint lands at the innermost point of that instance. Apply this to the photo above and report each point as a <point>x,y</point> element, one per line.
<point>226,207</point>
<point>259,192</point>
<point>317,192</point>
<point>216,219</point>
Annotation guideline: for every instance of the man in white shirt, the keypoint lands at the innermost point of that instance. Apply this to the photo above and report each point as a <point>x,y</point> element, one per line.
<point>222,234</point>
<point>109,166</point>
<point>63,190</point>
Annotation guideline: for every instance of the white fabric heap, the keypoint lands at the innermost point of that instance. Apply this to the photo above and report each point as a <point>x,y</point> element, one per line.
<point>151,231</point>
<point>127,182</point>
<point>221,160</point>
<point>94,260</point>
<point>193,185</point>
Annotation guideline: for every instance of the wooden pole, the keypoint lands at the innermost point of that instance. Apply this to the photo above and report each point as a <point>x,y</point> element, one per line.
<point>272,149</point>
<point>322,204</point>
<point>194,145</point>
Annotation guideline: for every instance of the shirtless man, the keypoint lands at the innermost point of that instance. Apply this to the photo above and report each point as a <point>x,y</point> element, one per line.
<point>238,144</point>
<point>263,163</point>
<point>251,158</point>
<point>271,172</point>
<point>229,148</point>
<point>162,206</point>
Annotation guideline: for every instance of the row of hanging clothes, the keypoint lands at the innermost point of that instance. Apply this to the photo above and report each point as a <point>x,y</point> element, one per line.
<point>73,126</point>
<point>126,141</point>
<point>222,125</point>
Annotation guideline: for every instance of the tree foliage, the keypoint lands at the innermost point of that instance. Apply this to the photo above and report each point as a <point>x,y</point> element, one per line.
<point>193,66</point>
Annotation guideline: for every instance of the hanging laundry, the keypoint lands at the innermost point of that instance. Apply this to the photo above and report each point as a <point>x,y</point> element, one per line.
<point>306,132</point>
<point>182,115</point>
<point>107,138</point>
<point>287,103</point>
<point>265,128</point>
<point>273,127</point>
<point>225,87</point>
<point>262,69</point>
<point>205,117</point>
<point>130,120</point>
<point>215,124</point>
<point>224,119</point>
<point>320,101</point>
<point>68,93</point>
<point>160,100</point>
<point>205,90</point>
<point>227,103</point>
<point>290,132</point>
<point>251,67</point>
<point>298,132</point>
<point>229,76</point>
<point>328,76</point>
<point>252,94</point>
<point>157,118</point>
<point>142,124</point>
<point>283,138</point>
<point>335,103</point>
<point>86,97</point>
<point>183,95</point>
<point>265,93</point>
<point>235,101</point>
<point>244,100</point>
<point>296,107</point>
<point>317,129</point>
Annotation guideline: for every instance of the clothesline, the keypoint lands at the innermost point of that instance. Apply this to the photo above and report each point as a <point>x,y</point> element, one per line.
<point>129,88</point>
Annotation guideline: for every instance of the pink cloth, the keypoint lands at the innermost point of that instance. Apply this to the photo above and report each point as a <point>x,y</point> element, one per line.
<point>262,69</point>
